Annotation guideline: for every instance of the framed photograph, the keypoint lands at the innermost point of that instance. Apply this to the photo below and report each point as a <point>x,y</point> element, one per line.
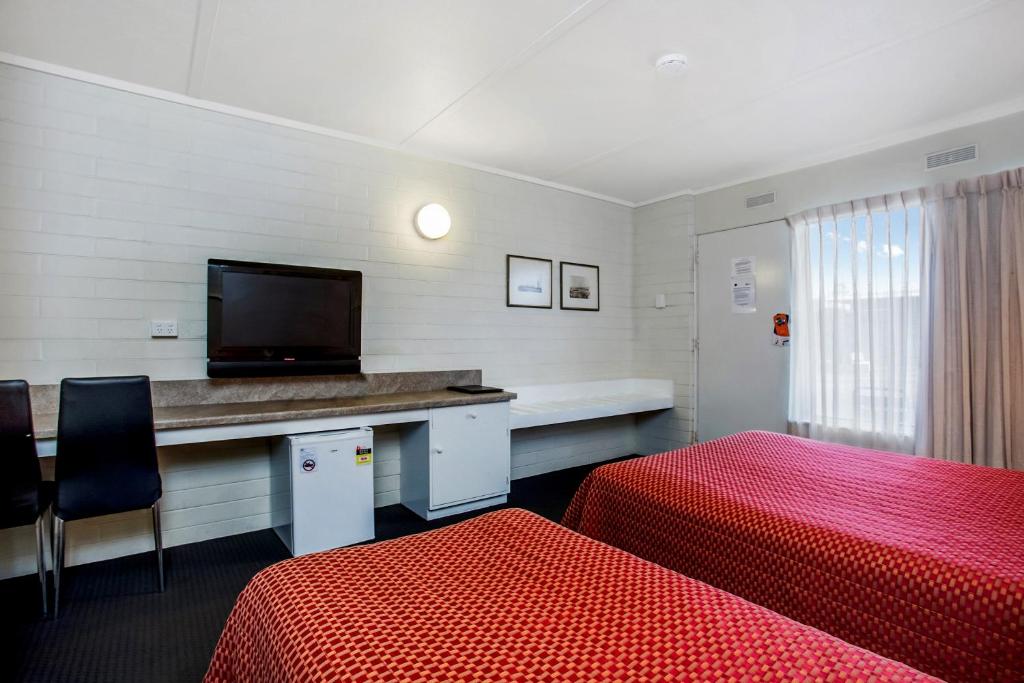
<point>581,286</point>
<point>528,282</point>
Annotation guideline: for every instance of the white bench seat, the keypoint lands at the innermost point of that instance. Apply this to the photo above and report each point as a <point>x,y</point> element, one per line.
<point>546,404</point>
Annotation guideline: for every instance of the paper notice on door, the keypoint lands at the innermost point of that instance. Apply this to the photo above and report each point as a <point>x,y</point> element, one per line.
<point>743,266</point>
<point>744,295</point>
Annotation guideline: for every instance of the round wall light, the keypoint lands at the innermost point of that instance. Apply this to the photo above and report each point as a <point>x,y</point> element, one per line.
<point>433,221</point>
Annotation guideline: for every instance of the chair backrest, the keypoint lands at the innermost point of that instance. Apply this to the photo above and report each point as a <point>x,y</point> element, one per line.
<point>106,449</point>
<point>19,464</point>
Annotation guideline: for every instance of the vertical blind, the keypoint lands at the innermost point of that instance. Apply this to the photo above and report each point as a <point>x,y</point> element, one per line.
<point>858,292</point>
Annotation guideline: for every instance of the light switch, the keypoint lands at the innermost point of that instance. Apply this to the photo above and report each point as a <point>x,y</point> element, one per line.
<point>659,301</point>
<point>163,328</point>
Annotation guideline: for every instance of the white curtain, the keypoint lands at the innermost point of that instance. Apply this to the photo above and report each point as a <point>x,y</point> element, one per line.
<point>972,397</point>
<point>856,321</point>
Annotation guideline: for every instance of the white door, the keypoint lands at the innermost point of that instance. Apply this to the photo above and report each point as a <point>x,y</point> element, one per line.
<point>469,453</point>
<point>742,377</point>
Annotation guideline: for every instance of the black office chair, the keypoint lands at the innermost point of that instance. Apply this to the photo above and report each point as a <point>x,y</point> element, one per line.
<point>106,458</point>
<point>25,495</point>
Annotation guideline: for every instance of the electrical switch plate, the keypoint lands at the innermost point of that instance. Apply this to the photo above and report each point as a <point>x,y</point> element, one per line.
<point>163,328</point>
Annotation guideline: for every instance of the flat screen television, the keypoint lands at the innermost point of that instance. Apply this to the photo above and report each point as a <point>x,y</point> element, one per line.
<point>267,319</point>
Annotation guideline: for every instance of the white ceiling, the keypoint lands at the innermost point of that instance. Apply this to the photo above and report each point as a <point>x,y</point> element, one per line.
<point>564,90</point>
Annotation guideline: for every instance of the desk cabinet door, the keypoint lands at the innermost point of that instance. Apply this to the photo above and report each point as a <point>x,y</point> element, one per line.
<point>469,453</point>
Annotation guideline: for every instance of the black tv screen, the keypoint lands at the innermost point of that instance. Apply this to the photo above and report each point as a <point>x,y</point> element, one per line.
<point>270,319</point>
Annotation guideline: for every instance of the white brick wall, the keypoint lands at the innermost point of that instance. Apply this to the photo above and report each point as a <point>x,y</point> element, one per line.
<point>111,202</point>
<point>663,264</point>
<point>544,449</point>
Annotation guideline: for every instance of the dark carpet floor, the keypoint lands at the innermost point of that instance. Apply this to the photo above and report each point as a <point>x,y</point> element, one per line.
<point>113,626</point>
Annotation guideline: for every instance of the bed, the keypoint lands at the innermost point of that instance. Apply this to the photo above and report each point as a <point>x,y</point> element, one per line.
<point>510,596</point>
<point>919,560</point>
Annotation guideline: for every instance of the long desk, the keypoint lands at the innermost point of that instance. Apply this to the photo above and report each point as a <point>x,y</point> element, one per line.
<point>436,452</point>
<point>225,421</point>
<point>455,447</point>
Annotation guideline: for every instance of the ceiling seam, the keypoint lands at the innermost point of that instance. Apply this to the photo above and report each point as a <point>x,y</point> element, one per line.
<point>207,13</point>
<point>961,15</point>
<point>210,9</point>
<point>973,118</point>
<point>563,26</point>
<point>976,117</point>
<point>1008,108</point>
<point>230,110</point>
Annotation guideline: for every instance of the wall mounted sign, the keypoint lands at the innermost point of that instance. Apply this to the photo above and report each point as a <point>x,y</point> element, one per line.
<point>743,294</point>
<point>744,265</point>
<point>780,329</point>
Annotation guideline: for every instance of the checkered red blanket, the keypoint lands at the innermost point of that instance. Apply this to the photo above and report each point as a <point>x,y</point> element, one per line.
<point>917,559</point>
<point>510,596</point>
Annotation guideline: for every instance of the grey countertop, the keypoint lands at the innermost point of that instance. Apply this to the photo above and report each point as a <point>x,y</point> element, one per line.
<point>221,414</point>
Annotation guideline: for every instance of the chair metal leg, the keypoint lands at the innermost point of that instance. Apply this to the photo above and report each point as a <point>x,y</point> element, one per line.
<point>58,562</point>
<point>158,544</point>
<point>41,561</point>
<point>53,542</point>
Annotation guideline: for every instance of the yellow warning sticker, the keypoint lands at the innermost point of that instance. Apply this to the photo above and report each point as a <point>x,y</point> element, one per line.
<point>364,458</point>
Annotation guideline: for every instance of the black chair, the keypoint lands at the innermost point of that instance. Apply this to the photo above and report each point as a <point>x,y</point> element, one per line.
<point>106,458</point>
<point>25,495</point>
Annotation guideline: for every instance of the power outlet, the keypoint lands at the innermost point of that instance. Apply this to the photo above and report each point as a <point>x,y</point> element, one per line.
<point>163,328</point>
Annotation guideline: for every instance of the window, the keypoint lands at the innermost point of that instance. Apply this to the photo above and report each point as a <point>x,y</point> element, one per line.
<point>857,323</point>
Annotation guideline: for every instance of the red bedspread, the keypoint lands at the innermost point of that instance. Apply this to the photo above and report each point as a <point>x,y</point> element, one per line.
<point>916,559</point>
<point>510,596</point>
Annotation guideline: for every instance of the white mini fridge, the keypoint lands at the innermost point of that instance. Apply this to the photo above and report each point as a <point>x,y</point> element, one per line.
<point>322,489</point>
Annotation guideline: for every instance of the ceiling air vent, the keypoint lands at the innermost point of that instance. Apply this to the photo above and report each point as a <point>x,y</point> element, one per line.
<point>950,157</point>
<point>760,200</point>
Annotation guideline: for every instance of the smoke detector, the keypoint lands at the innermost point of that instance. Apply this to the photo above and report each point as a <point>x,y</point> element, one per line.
<point>672,64</point>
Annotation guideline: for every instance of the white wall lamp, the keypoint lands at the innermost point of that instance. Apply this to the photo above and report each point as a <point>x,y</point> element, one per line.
<point>433,221</point>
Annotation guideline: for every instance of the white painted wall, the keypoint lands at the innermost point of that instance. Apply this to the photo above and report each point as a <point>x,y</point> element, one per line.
<point>663,264</point>
<point>664,234</point>
<point>538,450</point>
<point>111,203</point>
<point>900,167</point>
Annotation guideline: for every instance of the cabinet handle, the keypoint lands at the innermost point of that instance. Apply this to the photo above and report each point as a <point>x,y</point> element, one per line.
<point>471,416</point>
<point>438,451</point>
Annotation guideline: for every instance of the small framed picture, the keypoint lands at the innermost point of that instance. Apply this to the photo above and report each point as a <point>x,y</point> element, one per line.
<point>528,282</point>
<point>581,286</point>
